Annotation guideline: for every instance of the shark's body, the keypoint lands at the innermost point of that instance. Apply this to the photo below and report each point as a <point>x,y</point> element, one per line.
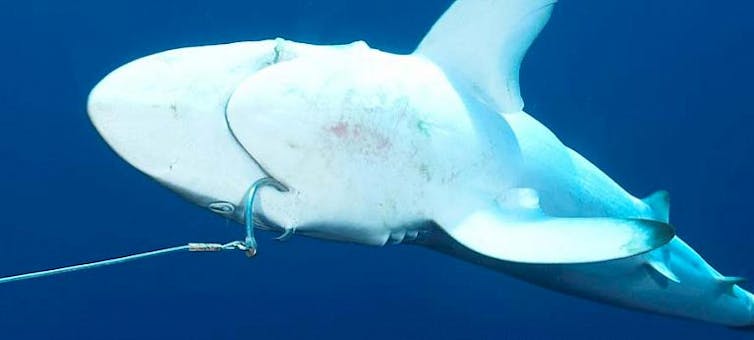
<point>432,148</point>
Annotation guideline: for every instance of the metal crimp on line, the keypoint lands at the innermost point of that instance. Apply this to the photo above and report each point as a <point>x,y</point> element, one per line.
<point>213,247</point>
<point>248,245</point>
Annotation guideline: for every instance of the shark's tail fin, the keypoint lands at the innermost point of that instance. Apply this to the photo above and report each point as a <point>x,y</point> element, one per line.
<point>659,202</point>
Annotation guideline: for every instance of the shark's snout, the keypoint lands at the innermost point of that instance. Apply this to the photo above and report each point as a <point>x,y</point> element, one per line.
<point>165,115</point>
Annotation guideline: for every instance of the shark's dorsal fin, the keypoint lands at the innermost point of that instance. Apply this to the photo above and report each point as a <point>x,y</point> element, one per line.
<point>480,43</point>
<point>659,202</point>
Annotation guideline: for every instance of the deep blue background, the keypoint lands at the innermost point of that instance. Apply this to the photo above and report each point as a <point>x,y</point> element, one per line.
<point>657,93</point>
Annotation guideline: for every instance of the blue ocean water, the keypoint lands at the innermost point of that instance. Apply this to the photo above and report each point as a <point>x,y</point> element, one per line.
<point>657,93</point>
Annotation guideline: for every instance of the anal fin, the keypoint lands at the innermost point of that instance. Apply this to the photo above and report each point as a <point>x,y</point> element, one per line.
<point>730,281</point>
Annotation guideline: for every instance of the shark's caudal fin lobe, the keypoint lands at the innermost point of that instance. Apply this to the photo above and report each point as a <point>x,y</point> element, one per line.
<point>480,43</point>
<point>659,202</point>
<point>535,238</point>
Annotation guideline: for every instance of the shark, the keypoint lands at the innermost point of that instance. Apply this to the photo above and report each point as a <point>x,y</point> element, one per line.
<point>431,148</point>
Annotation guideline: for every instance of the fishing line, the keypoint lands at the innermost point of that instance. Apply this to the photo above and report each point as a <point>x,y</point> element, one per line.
<point>248,245</point>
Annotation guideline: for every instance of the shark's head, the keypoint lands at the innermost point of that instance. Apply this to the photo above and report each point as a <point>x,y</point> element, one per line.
<point>165,114</point>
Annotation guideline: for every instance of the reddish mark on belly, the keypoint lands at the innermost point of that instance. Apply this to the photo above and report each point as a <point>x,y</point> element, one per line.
<point>340,129</point>
<point>368,140</point>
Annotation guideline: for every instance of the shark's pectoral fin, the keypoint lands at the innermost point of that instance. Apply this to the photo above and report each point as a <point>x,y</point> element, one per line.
<point>480,44</point>
<point>537,238</point>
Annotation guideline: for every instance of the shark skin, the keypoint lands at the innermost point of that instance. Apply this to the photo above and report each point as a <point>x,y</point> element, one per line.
<point>428,149</point>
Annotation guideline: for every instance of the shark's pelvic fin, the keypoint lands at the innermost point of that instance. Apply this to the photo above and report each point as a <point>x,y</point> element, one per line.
<point>529,236</point>
<point>664,270</point>
<point>480,43</point>
<point>659,202</point>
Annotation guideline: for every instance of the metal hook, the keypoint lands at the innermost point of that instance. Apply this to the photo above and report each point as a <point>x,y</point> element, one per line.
<point>250,243</point>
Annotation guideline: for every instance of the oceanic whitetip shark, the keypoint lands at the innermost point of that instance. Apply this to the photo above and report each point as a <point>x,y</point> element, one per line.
<point>431,148</point>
